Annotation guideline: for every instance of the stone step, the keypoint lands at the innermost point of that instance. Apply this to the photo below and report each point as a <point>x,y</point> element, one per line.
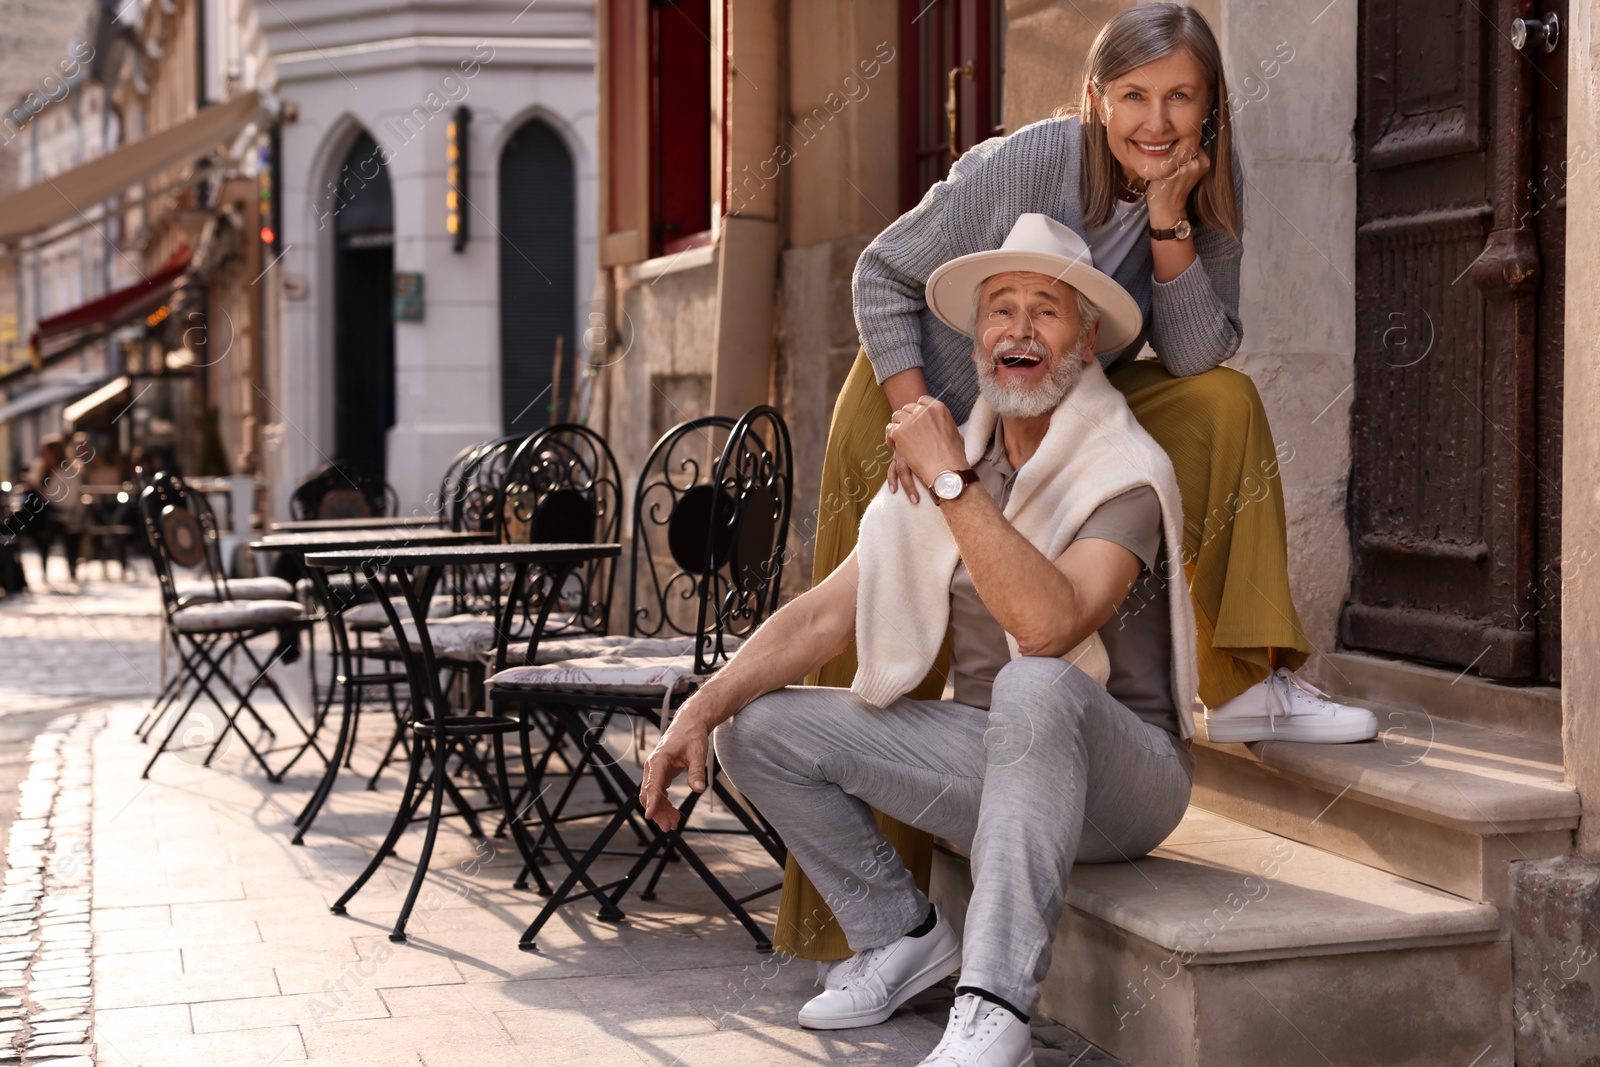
<point>1532,711</point>
<point>1229,945</point>
<point>1437,801</point>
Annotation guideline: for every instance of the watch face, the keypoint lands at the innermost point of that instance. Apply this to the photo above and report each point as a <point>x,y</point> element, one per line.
<point>948,485</point>
<point>1182,229</point>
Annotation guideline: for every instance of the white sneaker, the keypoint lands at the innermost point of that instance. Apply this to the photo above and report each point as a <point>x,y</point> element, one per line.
<point>867,988</point>
<point>831,972</point>
<point>981,1034</point>
<point>1286,707</point>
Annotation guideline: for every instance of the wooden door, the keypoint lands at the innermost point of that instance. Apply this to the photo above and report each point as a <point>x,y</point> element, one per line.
<point>1456,420</point>
<point>950,81</point>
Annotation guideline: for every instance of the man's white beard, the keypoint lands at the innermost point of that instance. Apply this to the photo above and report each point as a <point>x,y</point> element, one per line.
<point>1022,402</point>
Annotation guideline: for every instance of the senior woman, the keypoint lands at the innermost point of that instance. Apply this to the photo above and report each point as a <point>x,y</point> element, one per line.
<point>1145,173</point>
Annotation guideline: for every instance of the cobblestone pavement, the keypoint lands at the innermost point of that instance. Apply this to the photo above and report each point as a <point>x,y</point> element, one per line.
<point>66,642</point>
<point>213,942</point>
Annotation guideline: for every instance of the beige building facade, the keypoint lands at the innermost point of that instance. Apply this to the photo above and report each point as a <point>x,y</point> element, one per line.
<point>1418,872</point>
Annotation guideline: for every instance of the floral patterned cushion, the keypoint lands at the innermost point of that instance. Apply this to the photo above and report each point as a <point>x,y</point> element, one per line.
<point>235,615</point>
<point>555,648</point>
<point>370,616</point>
<point>620,675</point>
<point>204,591</point>
<point>474,637</point>
<point>466,638</point>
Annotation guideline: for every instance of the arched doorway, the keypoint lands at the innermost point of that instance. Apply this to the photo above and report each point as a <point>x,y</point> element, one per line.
<point>363,275</point>
<point>537,285</point>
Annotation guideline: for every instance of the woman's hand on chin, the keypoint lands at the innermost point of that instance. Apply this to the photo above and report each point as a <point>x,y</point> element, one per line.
<point>1168,196</point>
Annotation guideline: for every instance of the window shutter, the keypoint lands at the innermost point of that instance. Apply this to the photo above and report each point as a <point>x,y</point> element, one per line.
<point>625,131</point>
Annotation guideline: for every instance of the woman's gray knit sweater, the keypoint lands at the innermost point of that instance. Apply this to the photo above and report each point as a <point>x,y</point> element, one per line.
<point>1192,321</point>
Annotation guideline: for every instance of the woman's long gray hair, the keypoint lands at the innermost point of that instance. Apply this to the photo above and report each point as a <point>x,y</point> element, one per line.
<point>1134,37</point>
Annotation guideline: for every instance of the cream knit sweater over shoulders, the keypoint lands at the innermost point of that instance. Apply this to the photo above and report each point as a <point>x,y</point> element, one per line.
<point>1093,451</point>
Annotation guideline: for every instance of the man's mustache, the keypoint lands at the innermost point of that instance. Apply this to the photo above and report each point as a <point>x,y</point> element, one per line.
<point>1031,347</point>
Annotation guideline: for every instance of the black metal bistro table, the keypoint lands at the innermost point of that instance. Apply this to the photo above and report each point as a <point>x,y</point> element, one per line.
<point>415,569</point>
<point>379,522</point>
<point>365,540</point>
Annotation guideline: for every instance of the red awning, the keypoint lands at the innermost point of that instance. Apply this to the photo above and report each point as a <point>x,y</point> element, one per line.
<point>87,322</point>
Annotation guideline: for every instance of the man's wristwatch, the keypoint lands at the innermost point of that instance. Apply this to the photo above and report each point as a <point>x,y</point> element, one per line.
<point>948,485</point>
<point>1180,232</point>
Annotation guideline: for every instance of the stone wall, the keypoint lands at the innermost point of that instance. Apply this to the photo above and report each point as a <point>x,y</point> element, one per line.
<point>1291,66</point>
<point>1555,981</point>
<point>1580,504</point>
<point>841,189</point>
<point>663,375</point>
<point>817,343</point>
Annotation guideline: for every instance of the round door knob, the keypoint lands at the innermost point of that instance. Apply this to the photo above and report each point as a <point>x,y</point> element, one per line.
<point>1546,32</point>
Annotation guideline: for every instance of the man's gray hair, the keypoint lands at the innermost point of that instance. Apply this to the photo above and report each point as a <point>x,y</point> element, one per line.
<point>1088,313</point>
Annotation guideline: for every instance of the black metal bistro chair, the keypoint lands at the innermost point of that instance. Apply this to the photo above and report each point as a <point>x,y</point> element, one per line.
<point>208,624</point>
<point>358,626</point>
<point>470,496</point>
<point>339,491</point>
<point>559,485</point>
<point>335,490</point>
<point>709,534</point>
<point>203,583</point>
<point>563,486</point>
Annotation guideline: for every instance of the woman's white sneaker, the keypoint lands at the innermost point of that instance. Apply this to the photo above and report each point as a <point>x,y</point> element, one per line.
<point>1286,707</point>
<point>867,988</point>
<point>828,972</point>
<point>981,1034</point>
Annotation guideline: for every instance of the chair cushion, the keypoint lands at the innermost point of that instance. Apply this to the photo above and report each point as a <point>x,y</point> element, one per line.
<point>205,592</point>
<point>586,646</point>
<point>370,616</point>
<point>235,615</point>
<point>618,675</point>
<point>345,585</point>
<point>454,637</point>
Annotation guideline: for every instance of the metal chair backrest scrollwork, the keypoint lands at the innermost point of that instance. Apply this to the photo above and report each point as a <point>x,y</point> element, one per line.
<point>181,531</point>
<point>447,506</point>
<point>676,510</point>
<point>747,551</point>
<point>563,486</point>
<point>339,491</point>
<point>481,490</point>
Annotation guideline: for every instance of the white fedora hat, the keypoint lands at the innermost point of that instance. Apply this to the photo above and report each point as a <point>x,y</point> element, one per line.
<point>1040,244</point>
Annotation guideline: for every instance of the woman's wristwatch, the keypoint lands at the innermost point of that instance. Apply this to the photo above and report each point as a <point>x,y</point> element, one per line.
<point>1180,232</point>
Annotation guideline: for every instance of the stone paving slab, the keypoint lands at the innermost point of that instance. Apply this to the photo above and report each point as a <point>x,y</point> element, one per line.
<point>219,940</point>
<point>213,942</point>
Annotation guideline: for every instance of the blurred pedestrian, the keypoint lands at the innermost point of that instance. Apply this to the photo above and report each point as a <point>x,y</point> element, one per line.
<point>52,502</point>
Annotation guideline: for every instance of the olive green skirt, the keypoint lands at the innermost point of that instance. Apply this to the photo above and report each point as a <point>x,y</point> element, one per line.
<point>1235,552</point>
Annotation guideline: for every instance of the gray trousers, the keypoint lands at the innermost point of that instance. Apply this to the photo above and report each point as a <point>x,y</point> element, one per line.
<point>1057,771</point>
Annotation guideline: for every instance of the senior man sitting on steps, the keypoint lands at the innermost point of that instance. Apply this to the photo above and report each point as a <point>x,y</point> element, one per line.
<point>1068,738</point>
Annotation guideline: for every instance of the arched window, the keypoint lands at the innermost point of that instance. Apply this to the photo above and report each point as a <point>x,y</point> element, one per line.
<point>363,277</point>
<point>537,284</point>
